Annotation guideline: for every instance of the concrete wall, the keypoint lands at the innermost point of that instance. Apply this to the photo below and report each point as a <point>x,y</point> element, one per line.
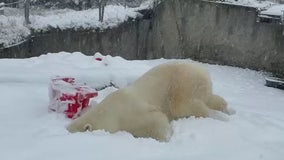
<point>122,41</point>
<point>204,31</point>
<point>217,33</point>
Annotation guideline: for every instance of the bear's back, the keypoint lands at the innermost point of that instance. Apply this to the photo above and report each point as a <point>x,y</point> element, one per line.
<point>174,79</point>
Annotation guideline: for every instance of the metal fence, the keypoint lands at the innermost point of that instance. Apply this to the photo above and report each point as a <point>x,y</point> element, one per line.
<point>24,6</point>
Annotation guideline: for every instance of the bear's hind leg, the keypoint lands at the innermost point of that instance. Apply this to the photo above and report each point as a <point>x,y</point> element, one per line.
<point>218,103</point>
<point>197,108</point>
<point>153,124</point>
<point>189,107</point>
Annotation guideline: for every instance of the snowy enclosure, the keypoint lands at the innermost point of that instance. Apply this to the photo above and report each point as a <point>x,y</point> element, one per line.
<point>30,132</point>
<point>63,17</point>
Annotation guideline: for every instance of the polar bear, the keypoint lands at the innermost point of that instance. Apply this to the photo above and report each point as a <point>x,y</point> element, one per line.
<point>167,92</point>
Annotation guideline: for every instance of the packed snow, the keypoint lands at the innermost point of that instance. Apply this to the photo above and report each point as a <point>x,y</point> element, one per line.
<point>30,132</point>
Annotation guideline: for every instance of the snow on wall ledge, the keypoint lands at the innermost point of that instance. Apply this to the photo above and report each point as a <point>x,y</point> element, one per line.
<point>13,29</point>
<point>114,15</point>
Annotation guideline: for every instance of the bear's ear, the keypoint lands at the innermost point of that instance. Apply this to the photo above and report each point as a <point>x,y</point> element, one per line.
<point>88,127</point>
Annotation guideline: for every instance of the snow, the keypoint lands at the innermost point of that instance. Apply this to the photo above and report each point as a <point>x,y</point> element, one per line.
<point>30,132</point>
<point>86,19</point>
<point>250,3</point>
<point>13,28</point>
<point>274,10</point>
<point>273,79</point>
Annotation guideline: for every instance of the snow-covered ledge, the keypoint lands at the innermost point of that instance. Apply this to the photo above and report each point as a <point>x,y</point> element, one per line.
<point>13,29</point>
<point>273,14</point>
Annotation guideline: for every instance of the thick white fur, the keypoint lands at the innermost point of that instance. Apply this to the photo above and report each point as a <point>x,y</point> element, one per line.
<point>168,91</point>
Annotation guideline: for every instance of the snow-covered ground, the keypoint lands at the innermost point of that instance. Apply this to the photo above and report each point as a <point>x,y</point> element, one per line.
<point>29,132</point>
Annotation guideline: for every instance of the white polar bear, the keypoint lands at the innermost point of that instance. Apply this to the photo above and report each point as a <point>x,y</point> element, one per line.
<point>167,92</point>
